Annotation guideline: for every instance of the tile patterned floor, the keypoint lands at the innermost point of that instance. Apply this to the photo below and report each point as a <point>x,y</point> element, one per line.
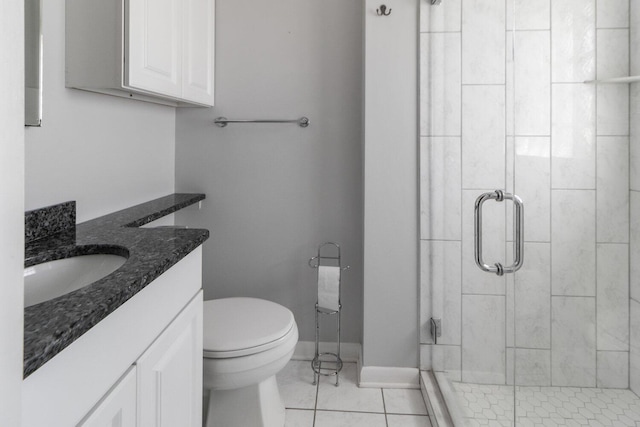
<point>548,406</point>
<point>325,405</point>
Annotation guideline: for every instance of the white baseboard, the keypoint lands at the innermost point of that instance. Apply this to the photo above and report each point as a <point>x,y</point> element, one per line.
<point>368,376</point>
<point>306,350</point>
<point>389,377</point>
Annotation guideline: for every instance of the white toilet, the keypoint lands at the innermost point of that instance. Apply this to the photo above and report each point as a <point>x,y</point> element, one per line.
<point>246,342</point>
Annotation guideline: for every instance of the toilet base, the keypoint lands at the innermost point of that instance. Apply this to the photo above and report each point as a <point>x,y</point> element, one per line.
<point>257,405</point>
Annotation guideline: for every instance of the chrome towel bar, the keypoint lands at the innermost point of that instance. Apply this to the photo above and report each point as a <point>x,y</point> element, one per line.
<point>498,268</point>
<point>303,122</point>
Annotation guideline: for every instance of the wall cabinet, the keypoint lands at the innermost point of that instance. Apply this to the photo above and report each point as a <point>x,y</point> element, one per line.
<point>160,51</point>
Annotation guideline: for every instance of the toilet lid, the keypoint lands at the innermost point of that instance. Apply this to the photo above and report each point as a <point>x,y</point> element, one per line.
<point>240,326</point>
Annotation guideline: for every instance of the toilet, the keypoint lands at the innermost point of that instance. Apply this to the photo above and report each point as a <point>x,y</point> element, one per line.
<point>247,341</point>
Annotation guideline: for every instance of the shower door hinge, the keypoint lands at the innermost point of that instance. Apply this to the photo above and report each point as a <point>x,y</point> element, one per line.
<point>436,329</point>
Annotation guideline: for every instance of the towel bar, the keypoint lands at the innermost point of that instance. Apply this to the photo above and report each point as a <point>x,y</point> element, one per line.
<point>303,122</point>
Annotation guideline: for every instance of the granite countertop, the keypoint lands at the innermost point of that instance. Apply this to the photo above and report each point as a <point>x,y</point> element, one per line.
<point>51,326</point>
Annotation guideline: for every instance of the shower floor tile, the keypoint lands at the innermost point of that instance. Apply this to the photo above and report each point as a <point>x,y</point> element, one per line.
<point>547,406</point>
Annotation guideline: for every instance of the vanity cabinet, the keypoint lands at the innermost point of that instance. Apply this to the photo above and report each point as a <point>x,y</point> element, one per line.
<point>118,407</point>
<point>140,366</point>
<point>170,374</point>
<point>164,386</point>
<point>158,51</point>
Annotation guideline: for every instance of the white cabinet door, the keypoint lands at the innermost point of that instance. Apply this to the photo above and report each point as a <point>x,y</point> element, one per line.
<point>154,46</point>
<point>118,407</point>
<point>198,54</point>
<point>170,373</point>
<point>151,50</point>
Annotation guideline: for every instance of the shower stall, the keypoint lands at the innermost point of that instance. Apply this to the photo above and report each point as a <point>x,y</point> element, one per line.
<point>530,315</point>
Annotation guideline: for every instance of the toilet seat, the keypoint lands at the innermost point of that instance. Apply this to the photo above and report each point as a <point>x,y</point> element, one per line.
<point>257,325</point>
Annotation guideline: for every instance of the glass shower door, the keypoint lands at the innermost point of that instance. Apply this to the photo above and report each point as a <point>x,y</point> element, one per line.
<point>509,103</point>
<point>465,149</point>
<point>571,340</point>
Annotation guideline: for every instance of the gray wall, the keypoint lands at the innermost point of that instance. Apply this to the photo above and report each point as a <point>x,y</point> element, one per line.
<point>105,152</point>
<point>11,214</point>
<point>391,186</point>
<point>274,192</point>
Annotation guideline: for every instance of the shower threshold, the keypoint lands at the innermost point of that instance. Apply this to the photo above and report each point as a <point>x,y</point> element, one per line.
<point>468,404</point>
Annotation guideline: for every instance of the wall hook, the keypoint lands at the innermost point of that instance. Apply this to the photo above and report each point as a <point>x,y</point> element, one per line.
<point>383,11</point>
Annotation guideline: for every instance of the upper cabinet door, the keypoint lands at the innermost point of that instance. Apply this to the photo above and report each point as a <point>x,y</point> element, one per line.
<point>198,45</point>
<point>153,43</point>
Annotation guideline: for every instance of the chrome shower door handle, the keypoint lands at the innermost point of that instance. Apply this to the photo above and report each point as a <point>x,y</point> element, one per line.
<point>498,268</point>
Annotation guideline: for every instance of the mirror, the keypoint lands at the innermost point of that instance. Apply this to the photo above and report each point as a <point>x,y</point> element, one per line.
<point>33,62</point>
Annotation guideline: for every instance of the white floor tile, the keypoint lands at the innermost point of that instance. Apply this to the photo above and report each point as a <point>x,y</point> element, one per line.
<point>298,418</point>
<point>408,421</point>
<point>350,406</point>
<point>404,401</point>
<point>349,419</point>
<point>348,396</point>
<point>295,385</point>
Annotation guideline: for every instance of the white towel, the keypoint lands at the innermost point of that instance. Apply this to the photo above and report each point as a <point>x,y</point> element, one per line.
<point>329,288</point>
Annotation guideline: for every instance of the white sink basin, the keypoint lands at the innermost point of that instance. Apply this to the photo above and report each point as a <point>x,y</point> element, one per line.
<point>52,279</point>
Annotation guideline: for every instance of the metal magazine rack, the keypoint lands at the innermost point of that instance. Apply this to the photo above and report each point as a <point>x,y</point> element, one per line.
<point>328,263</point>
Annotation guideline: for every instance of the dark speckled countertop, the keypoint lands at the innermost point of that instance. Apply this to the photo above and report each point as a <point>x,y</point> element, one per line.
<point>51,326</point>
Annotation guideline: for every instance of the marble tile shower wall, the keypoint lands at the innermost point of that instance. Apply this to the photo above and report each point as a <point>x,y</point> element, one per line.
<point>634,184</point>
<point>564,148</point>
